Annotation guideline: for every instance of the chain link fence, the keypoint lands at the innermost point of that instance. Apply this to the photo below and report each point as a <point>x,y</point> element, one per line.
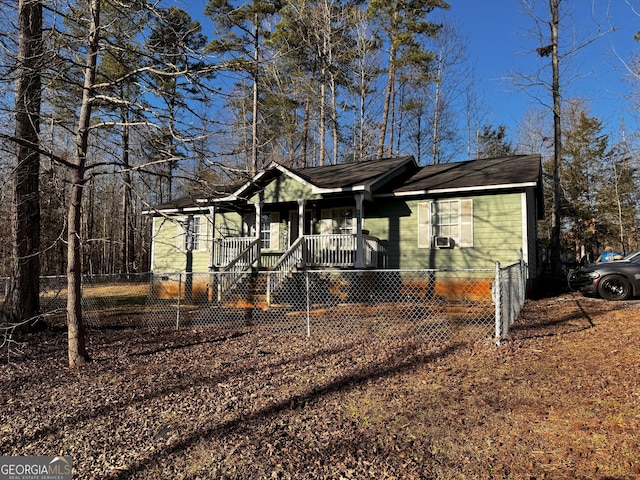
<point>385,303</point>
<point>104,299</point>
<point>440,304</point>
<point>510,294</point>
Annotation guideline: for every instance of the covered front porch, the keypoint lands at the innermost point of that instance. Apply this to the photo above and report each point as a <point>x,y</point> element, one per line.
<point>300,234</point>
<point>308,251</point>
<point>240,258</point>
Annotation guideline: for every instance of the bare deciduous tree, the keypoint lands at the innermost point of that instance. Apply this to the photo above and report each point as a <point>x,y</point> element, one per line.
<point>77,349</point>
<point>547,34</point>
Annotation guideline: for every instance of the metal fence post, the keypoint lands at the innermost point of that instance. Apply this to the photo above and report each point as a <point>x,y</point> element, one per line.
<point>178,306</point>
<point>497,298</point>
<point>524,274</point>
<point>308,294</point>
<point>268,293</point>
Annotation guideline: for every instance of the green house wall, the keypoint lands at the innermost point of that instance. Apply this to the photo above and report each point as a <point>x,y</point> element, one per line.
<point>227,224</point>
<point>497,233</point>
<point>503,226</point>
<point>283,189</point>
<point>169,256</point>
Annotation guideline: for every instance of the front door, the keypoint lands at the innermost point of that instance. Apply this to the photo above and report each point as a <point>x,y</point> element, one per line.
<point>294,223</point>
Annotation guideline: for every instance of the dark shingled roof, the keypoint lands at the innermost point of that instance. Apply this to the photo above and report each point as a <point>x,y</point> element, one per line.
<point>398,176</point>
<point>347,175</point>
<point>191,201</point>
<point>178,203</point>
<point>475,174</point>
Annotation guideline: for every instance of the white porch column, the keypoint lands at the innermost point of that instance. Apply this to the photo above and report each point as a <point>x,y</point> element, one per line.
<point>258,226</point>
<point>301,204</point>
<point>359,239</point>
<point>211,238</point>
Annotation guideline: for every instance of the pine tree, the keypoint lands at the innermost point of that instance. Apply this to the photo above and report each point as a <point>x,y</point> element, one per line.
<point>240,35</point>
<point>401,25</point>
<point>23,300</point>
<point>583,177</point>
<point>174,41</point>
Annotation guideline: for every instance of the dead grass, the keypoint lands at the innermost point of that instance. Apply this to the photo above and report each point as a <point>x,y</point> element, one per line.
<point>559,399</point>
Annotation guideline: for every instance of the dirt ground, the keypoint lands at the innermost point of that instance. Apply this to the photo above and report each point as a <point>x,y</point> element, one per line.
<point>558,399</point>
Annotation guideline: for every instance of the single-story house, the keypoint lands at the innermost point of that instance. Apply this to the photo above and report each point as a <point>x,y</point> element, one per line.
<point>387,213</point>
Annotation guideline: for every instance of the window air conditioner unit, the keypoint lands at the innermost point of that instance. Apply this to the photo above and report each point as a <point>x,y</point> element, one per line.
<point>443,242</point>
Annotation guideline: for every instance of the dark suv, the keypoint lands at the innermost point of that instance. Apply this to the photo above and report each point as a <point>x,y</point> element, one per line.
<point>614,280</point>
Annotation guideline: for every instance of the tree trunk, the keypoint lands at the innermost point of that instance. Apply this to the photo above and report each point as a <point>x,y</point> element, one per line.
<point>23,300</point>
<point>387,102</point>
<point>334,120</point>
<point>306,131</point>
<point>76,331</point>
<point>556,266</point>
<point>323,102</point>
<point>127,252</point>
<point>435,135</point>
<point>256,96</point>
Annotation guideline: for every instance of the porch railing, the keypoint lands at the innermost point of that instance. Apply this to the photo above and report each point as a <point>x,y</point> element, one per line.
<point>339,250</point>
<point>333,250</point>
<point>293,257</point>
<point>375,255</point>
<point>239,268</point>
<point>226,250</point>
<point>330,250</point>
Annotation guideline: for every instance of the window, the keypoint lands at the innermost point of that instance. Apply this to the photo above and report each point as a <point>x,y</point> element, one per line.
<point>344,221</point>
<point>192,237</point>
<point>449,219</point>
<point>265,231</point>
<point>338,220</point>
<point>445,218</point>
<point>190,234</point>
<point>269,229</point>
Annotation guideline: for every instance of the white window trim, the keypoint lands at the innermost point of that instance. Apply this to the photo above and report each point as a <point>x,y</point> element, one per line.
<point>274,231</point>
<point>201,237</point>
<point>426,229</point>
<point>330,220</point>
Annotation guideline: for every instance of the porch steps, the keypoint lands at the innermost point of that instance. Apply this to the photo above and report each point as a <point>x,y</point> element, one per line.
<point>252,291</point>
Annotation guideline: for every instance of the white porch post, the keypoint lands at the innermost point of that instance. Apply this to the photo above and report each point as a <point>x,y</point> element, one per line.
<point>301,204</point>
<point>212,237</point>
<point>258,207</point>
<point>359,239</point>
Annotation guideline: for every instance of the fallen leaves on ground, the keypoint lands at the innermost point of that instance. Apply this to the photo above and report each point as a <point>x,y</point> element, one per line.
<point>558,399</point>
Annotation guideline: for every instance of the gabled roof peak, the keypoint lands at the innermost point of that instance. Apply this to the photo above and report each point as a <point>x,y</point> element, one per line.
<point>361,176</point>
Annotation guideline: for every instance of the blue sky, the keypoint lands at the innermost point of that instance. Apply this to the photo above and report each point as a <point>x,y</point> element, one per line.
<point>498,44</point>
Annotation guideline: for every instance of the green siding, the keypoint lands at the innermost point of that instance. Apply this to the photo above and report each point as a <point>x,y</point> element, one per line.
<point>497,232</point>
<point>498,227</point>
<point>228,224</point>
<point>283,189</point>
<point>168,256</point>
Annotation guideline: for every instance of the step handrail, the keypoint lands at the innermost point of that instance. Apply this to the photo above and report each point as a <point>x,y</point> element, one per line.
<point>238,268</point>
<point>285,265</point>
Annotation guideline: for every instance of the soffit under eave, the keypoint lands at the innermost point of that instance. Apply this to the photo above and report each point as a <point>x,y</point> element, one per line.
<point>443,192</point>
